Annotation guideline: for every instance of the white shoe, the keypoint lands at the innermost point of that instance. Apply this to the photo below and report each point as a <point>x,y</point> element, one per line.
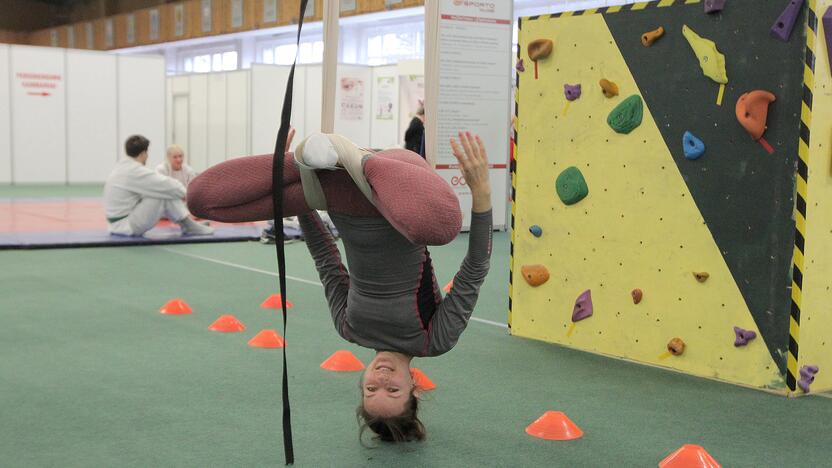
<point>192,228</point>
<point>319,153</point>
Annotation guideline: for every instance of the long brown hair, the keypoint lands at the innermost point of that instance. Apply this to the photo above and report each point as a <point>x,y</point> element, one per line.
<point>404,427</point>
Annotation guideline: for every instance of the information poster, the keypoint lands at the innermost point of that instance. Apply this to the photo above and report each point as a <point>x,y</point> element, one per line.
<point>385,97</point>
<point>411,98</point>
<point>179,20</point>
<point>236,13</point>
<point>475,91</point>
<point>269,11</point>
<point>154,24</point>
<point>131,29</point>
<point>108,33</point>
<point>352,99</point>
<point>205,9</point>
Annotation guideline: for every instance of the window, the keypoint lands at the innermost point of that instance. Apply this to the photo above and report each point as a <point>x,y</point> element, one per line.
<point>394,43</point>
<point>284,54</point>
<point>204,61</point>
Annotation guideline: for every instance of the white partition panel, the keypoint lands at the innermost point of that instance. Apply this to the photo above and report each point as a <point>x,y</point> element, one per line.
<point>197,154</point>
<point>141,101</point>
<point>384,110</point>
<point>38,95</point>
<point>176,85</point>
<point>300,108</point>
<point>5,118</point>
<point>217,120</point>
<point>312,98</point>
<point>91,97</point>
<point>267,90</point>
<point>238,111</point>
<point>353,98</point>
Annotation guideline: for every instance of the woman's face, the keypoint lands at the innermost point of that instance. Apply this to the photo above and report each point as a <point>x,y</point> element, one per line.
<point>387,385</point>
<point>176,159</point>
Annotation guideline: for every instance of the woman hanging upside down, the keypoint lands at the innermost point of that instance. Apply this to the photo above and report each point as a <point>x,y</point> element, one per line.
<point>387,207</point>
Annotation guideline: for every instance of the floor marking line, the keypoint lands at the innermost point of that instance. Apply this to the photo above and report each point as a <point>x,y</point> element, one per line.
<point>294,278</point>
<point>242,267</point>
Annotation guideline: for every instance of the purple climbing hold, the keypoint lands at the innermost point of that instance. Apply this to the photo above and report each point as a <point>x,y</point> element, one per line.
<point>713,6</point>
<point>827,32</point>
<point>520,67</point>
<point>782,28</point>
<point>583,306</point>
<point>743,336</point>
<point>807,376</point>
<point>572,92</point>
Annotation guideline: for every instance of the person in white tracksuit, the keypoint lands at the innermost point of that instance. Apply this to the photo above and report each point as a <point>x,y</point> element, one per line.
<point>136,197</point>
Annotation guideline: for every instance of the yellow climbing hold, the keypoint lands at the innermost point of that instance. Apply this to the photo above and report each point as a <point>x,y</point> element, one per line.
<point>711,61</point>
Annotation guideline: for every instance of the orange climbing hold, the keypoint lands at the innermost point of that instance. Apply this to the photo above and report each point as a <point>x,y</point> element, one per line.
<point>752,112</point>
<point>701,276</point>
<point>690,456</point>
<point>227,324</point>
<point>269,339</point>
<point>448,286</point>
<point>648,38</point>
<point>676,346</point>
<point>342,361</point>
<point>554,425</point>
<point>273,302</point>
<point>422,380</point>
<point>175,307</point>
<point>535,275</point>
<point>637,295</point>
<point>609,88</point>
<point>538,50</point>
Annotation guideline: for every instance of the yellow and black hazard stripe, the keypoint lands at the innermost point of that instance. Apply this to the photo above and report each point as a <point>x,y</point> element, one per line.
<point>513,168</point>
<point>800,197</point>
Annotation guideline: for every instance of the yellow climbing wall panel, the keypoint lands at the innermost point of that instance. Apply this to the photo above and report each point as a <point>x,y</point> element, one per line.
<point>638,228</point>
<point>816,312</point>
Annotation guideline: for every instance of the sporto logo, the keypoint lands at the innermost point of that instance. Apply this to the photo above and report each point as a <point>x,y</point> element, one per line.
<point>485,7</point>
<point>457,181</point>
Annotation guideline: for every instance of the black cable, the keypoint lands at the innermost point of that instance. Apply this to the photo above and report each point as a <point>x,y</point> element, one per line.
<point>277,200</point>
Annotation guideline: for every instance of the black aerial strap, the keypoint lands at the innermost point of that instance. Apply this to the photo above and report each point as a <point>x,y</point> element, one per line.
<point>277,200</point>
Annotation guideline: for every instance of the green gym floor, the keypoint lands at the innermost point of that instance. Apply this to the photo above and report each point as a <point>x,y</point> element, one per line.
<point>92,375</point>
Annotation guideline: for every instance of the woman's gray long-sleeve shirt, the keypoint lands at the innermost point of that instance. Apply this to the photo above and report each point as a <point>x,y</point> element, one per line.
<point>377,303</point>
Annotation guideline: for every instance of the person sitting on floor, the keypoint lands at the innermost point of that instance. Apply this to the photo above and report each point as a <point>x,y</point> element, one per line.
<point>174,166</point>
<point>136,198</point>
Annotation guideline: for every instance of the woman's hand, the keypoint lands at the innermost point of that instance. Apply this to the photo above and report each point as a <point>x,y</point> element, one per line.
<point>289,139</point>
<point>473,162</point>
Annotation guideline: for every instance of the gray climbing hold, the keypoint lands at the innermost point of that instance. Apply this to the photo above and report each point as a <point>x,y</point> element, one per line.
<point>714,6</point>
<point>536,231</point>
<point>694,147</point>
<point>571,186</point>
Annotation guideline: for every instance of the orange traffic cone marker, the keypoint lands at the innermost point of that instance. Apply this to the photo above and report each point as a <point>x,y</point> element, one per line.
<point>267,339</point>
<point>342,361</point>
<point>689,456</point>
<point>227,323</point>
<point>422,380</point>
<point>175,307</point>
<point>554,425</point>
<point>448,286</point>
<point>273,302</point>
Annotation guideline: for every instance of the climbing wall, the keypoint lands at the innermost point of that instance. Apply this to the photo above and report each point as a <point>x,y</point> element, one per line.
<point>652,217</point>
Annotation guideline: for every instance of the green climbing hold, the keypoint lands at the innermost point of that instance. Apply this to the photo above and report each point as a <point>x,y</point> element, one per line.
<point>571,186</point>
<point>627,115</point>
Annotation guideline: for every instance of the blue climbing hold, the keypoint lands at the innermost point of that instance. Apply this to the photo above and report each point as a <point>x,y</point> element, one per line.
<point>694,147</point>
<point>536,231</point>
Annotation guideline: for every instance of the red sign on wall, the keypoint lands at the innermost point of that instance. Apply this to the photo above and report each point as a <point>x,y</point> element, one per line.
<point>38,84</point>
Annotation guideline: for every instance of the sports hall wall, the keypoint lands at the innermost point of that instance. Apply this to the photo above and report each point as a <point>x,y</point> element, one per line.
<point>65,113</point>
<point>216,116</point>
<point>754,222</point>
